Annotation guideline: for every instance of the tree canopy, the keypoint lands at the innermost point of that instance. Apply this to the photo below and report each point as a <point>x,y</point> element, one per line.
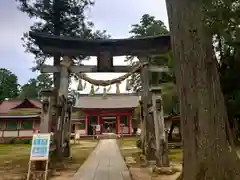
<point>33,87</point>
<point>222,20</point>
<point>150,26</point>
<point>8,84</point>
<point>60,18</point>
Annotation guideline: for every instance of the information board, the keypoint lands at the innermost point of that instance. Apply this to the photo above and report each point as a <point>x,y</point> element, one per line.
<point>40,146</point>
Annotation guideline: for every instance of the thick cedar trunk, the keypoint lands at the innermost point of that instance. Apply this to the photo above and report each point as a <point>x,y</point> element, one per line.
<point>207,155</point>
<point>234,130</point>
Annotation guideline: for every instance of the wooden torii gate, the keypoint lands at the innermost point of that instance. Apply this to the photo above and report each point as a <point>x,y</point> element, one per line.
<point>69,47</point>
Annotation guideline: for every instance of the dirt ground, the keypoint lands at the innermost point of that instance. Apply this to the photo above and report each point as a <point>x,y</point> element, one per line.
<point>140,172</point>
<point>14,160</point>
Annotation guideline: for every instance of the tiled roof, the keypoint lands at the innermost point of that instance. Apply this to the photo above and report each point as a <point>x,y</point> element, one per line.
<point>111,101</point>
<point>19,116</point>
<point>8,105</point>
<point>36,102</point>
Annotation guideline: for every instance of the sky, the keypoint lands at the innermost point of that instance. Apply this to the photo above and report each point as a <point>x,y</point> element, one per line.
<point>114,16</point>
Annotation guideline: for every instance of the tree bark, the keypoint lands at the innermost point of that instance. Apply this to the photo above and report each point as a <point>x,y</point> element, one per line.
<point>149,135</point>
<point>56,81</point>
<point>150,141</point>
<point>160,135</point>
<point>203,113</point>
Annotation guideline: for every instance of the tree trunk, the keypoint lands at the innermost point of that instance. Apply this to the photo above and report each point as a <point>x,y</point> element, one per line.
<point>56,81</point>
<point>149,134</point>
<point>203,113</point>
<point>160,134</point>
<point>143,136</point>
<point>235,130</point>
<point>150,141</point>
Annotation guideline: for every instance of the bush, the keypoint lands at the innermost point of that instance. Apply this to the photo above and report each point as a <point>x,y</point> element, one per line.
<point>22,141</point>
<point>27,141</point>
<point>12,141</point>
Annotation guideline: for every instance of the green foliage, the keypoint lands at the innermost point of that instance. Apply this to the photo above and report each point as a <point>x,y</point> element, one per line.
<point>20,141</point>
<point>34,86</point>
<point>57,17</point>
<point>44,81</point>
<point>222,20</point>
<point>29,90</point>
<point>170,99</point>
<point>149,26</point>
<point>8,84</point>
<point>136,117</point>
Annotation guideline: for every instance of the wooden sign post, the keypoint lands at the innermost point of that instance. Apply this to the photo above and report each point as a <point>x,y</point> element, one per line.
<point>39,152</point>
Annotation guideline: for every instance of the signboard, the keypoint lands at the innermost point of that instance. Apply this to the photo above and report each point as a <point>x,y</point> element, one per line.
<point>40,147</point>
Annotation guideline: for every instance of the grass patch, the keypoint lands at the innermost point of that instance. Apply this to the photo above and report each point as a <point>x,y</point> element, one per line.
<point>82,151</point>
<point>175,155</point>
<point>14,159</point>
<point>17,154</point>
<point>126,142</point>
<point>131,156</point>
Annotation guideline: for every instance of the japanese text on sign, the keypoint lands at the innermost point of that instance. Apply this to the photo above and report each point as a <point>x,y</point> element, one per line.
<point>40,147</point>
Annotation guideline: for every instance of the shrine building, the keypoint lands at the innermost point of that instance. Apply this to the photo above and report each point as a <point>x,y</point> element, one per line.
<point>112,113</point>
<point>19,118</point>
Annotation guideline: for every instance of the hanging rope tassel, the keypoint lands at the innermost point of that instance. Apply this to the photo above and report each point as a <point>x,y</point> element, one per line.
<point>97,89</point>
<point>104,92</point>
<point>128,85</point>
<point>118,88</point>
<point>92,91</point>
<point>80,86</point>
<point>109,88</point>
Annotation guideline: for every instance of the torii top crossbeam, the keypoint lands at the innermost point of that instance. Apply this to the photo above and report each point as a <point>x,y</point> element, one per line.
<point>75,46</point>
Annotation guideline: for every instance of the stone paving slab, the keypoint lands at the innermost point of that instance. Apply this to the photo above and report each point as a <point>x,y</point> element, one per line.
<point>104,163</point>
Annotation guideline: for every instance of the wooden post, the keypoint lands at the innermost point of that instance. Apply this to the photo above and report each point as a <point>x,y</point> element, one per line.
<point>46,115</point>
<point>130,124</point>
<point>143,126</point>
<point>63,91</point>
<point>62,133</point>
<point>148,120</point>
<point>68,128</point>
<point>118,125</point>
<point>86,124</point>
<point>161,138</point>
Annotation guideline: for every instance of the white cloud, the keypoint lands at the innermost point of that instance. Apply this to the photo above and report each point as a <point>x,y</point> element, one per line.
<point>117,16</point>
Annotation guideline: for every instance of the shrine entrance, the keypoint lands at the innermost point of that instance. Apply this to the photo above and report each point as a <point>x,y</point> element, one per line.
<point>56,102</point>
<point>109,124</point>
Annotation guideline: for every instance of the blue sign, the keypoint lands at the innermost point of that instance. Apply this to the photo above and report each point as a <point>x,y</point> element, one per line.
<point>40,146</point>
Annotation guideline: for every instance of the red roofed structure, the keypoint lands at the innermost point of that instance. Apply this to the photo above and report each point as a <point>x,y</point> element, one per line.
<point>19,117</point>
<point>110,113</point>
